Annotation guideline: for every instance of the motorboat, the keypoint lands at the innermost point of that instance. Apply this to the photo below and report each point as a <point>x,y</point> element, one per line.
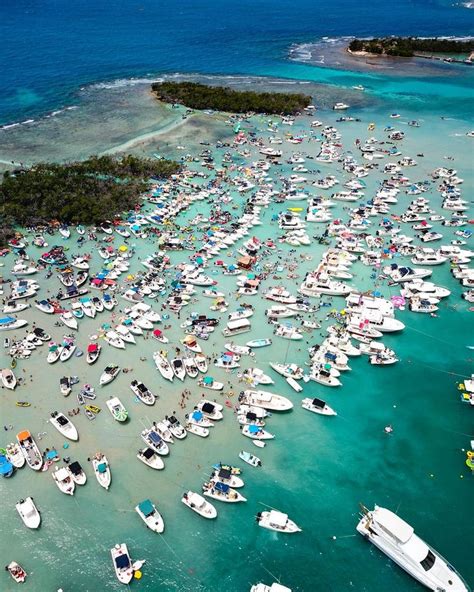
<point>250,459</point>
<point>199,505</point>
<point>30,450</point>
<point>11,323</point>
<point>63,480</point>
<point>101,468</point>
<point>122,563</point>
<point>150,515</point>
<point>256,343</point>
<point>317,406</point>
<point>210,409</point>
<point>8,378</point>
<point>197,430</point>
<point>175,427</point>
<point>153,439</point>
<point>142,392</point>
<point>397,539</point>
<point>117,409</point>
<point>222,492</point>
<point>16,572</point>
<point>109,374</point>
<point>28,512</point>
<point>77,473</point>
<point>93,353</point>
<point>267,400</point>
<point>163,366</point>
<point>64,426</point>
<point>113,339</point>
<point>151,458</point>
<point>14,455</point>
<point>69,320</point>
<point>277,521</point>
<point>275,587</point>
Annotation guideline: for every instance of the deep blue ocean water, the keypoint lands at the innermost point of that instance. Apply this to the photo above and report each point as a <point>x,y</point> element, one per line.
<point>49,48</point>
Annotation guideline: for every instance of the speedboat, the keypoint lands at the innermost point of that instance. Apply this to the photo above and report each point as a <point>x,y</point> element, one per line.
<point>28,512</point>
<point>397,539</point>
<point>222,492</point>
<point>250,459</point>
<point>163,366</point>
<point>122,563</point>
<point>152,439</point>
<point>11,323</point>
<point>267,400</point>
<point>175,427</point>
<point>150,515</point>
<point>197,430</point>
<point>151,458</point>
<point>8,378</point>
<point>109,374</point>
<point>117,409</point>
<point>277,521</point>
<point>275,587</point>
<point>14,455</point>
<point>102,470</point>
<point>77,473</point>
<point>142,392</point>
<point>16,572</point>
<point>114,340</point>
<point>30,450</point>
<point>317,406</point>
<point>210,410</point>
<point>64,481</point>
<point>64,425</point>
<point>254,343</point>
<point>93,353</point>
<point>199,505</point>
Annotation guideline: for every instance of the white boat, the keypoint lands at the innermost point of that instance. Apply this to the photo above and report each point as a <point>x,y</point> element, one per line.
<point>210,409</point>
<point>201,363</point>
<point>277,521</point>
<point>275,587</point>
<point>63,480</point>
<point>30,450</point>
<point>28,512</point>
<point>14,455</point>
<point>151,458</point>
<point>222,492</point>
<point>175,427</point>
<point>255,343</point>
<point>122,563</point>
<point>317,406</point>
<point>16,572</point>
<point>64,426</point>
<point>250,459</point>
<point>77,473</point>
<point>199,505</point>
<point>11,323</point>
<point>142,392</point>
<point>397,539</point>
<point>340,107</point>
<point>102,470</point>
<point>109,373</point>
<point>179,369</point>
<point>114,340</point>
<point>69,320</point>
<point>256,433</point>
<point>67,351</point>
<point>93,353</point>
<point>117,409</point>
<point>153,439</point>
<point>267,400</point>
<point>163,366</point>
<point>197,430</point>
<point>8,378</point>
<point>150,516</point>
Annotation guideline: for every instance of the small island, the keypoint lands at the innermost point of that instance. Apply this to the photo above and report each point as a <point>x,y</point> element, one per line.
<point>217,98</point>
<point>84,192</point>
<point>408,47</point>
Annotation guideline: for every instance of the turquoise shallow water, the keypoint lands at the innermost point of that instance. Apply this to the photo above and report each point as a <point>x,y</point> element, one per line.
<point>317,469</point>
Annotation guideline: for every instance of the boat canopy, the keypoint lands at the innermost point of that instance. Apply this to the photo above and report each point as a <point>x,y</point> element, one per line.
<point>197,415</point>
<point>221,487</point>
<point>208,380</point>
<point>208,408</point>
<point>92,348</point>
<point>122,561</point>
<point>148,453</point>
<point>154,437</point>
<point>393,524</point>
<point>62,474</point>
<point>253,429</point>
<point>196,499</point>
<point>225,473</point>
<point>102,468</point>
<point>319,403</point>
<point>146,507</point>
<point>23,435</point>
<point>278,518</point>
<point>6,466</point>
<point>7,320</point>
<point>75,468</point>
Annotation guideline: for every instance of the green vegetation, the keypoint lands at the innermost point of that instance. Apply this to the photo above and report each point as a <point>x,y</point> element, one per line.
<point>407,46</point>
<point>86,192</point>
<point>218,98</point>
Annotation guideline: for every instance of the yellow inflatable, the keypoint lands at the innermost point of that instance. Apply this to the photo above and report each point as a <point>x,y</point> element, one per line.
<point>138,575</point>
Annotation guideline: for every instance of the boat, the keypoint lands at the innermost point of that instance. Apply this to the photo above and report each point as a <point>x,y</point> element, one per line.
<point>150,516</point>
<point>77,473</point>
<point>109,374</point>
<point>122,563</point>
<point>6,467</point>
<point>317,406</point>
<point>117,409</point>
<point>11,323</point>
<point>397,539</point>
<point>114,340</point>
<point>275,587</point>
<point>102,470</point>
<point>163,366</point>
<point>255,432</point>
<point>153,439</point>
<point>250,459</point>
<point>30,450</point>
<point>197,430</point>
<point>267,400</point>
<point>151,458</point>
<point>14,455</point>
<point>65,386</point>
<point>340,107</point>
<point>64,425</point>
<point>67,350</point>
<point>210,409</point>
<point>69,320</point>
<point>53,353</point>
<point>199,505</point>
<point>255,343</point>
<point>175,427</point>
<point>8,378</point>
<point>93,353</point>
<point>142,392</point>
<point>179,369</point>
<point>222,492</point>
<point>64,481</point>
<point>16,572</point>
<point>277,521</point>
<point>28,512</point>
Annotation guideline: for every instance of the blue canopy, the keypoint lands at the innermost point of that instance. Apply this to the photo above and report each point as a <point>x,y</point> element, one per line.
<point>146,507</point>
<point>253,429</point>
<point>6,466</point>
<point>197,415</point>
<point>155,438</point>
<point>102,468</point>
<point>221,487</point>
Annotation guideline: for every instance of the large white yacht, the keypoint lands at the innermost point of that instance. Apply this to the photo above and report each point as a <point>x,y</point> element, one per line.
<point>397,539</point>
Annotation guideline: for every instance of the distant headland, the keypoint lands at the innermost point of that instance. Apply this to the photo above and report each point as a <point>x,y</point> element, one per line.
<point>408,47</point>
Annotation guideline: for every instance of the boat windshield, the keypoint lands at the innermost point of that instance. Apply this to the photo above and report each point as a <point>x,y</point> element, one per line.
<point>428,562</point>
